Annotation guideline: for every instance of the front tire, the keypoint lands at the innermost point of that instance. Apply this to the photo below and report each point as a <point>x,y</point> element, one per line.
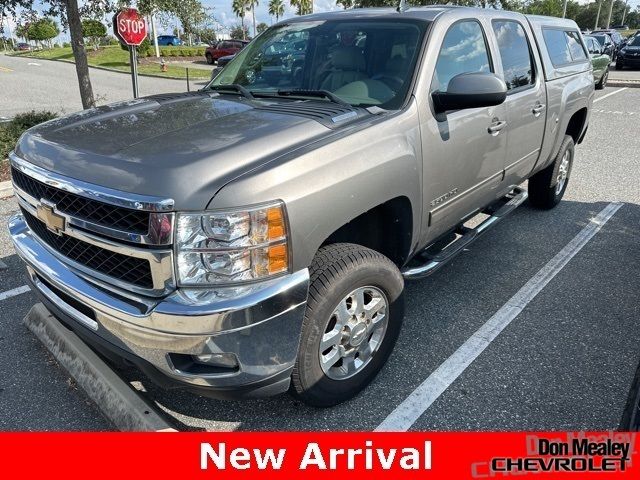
<point>209,58</point>
<point>547,187</point>
<point>353,318</point>
<point>619,65</point>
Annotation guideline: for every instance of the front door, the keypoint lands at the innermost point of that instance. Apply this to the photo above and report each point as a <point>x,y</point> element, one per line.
<point>526,98</point>
<point>463,150</point>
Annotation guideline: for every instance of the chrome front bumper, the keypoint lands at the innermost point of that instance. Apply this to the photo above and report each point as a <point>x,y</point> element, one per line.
<point>257,324</point>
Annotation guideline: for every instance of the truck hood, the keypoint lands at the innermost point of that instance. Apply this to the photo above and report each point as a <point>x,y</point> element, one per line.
<point>180,146</point>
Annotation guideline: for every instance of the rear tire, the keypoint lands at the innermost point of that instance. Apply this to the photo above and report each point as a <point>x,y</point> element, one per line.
<point>355,308</point>
<point>547,187</point>
<point>209,58</point>
<point>603,80</point>
<point>619,66</point>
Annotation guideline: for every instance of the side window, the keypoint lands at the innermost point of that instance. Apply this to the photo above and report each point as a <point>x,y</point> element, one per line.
<point>556,42</point>
<point>575,46</point>
<point>464,50</point>
<point>515,53</point>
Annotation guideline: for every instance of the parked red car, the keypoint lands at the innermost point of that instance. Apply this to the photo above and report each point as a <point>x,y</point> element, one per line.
<point>224,48</point>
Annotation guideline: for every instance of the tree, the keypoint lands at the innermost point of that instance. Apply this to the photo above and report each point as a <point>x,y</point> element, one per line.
<point>262,27</point>
<point>239,32</point>
<point>206,34</point>
<point>276,8</point>
<point>239,7</point>
<point>43,30</point>
<point>305,7</point>
<point>190,13</point>
<point>68,12</point>
<point>251,5</point>
<point>94,31</point>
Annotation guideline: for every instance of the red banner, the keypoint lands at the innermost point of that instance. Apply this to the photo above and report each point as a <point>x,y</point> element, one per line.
<point>311,455</point>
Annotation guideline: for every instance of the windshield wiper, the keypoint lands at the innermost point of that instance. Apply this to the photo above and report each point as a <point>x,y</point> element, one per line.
<point>233,87</point>
<point>313,93</point>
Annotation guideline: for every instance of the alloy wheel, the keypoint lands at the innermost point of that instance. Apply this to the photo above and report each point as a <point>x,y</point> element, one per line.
<point>354,333</point>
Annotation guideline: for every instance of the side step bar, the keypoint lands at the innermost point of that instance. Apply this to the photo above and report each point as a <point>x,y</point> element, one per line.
<point>435,256</point>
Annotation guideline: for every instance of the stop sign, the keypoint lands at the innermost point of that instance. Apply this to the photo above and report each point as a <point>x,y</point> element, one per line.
<point>129,26</point>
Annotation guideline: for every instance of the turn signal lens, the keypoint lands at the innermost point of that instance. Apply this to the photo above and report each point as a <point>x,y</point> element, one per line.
<point>278,261</point>
<point>275,223</point>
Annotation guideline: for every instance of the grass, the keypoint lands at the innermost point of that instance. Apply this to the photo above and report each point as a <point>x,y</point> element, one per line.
<point>115,58</point>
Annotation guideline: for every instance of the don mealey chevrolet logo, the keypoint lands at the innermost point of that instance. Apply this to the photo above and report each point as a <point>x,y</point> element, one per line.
<point>46,213</point>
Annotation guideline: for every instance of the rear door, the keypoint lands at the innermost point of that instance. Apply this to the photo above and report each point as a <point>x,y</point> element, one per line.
<point>521,69</point>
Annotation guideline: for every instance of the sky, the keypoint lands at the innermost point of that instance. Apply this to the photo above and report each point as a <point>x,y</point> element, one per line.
<point>224,14</point>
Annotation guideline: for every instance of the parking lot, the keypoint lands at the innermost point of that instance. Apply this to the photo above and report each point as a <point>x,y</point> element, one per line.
<point>565,360</point>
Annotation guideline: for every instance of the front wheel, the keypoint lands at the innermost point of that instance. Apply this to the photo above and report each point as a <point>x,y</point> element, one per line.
<point>547,187</point>
<point>353,318</point>
<point>603,80</point>
<point>619,65</point>
<point>209,58</point>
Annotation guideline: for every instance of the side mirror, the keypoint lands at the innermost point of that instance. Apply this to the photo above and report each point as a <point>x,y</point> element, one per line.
<point>470,90</point>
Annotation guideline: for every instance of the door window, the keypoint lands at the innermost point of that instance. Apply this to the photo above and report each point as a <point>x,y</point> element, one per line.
<point>575,46</point>
<point>464,50</point>
<point>564,47</point>
<point>515,54</point>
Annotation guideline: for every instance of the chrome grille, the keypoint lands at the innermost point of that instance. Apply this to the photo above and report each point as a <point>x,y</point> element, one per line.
<point>128,269</point>
<point>133,221</point>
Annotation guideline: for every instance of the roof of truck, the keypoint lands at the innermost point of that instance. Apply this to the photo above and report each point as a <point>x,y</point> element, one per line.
<point>552,21</point>
<point>426,13</point>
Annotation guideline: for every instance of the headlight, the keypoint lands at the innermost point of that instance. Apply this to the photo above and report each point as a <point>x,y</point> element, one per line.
<point>233,246</point>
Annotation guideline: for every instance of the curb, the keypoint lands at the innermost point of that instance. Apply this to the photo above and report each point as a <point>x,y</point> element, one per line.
<point>113,396</point>
<point>107,69</point>
<point>612,82</point>
<point>6,190</point>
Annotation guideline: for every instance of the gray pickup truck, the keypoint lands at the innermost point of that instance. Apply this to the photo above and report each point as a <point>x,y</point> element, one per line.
<point>254,237</point>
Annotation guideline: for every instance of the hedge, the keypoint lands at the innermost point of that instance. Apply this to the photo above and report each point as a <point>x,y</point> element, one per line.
<point>11,131</point>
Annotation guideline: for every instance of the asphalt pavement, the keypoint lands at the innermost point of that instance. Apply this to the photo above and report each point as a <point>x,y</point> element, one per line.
<point>35,84</point>
<point>567,361</point>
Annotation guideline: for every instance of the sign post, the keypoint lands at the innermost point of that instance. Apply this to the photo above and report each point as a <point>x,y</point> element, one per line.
<point>131,29</point>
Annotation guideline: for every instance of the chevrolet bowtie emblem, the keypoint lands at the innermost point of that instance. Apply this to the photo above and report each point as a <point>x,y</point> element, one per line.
<point>54,222</point>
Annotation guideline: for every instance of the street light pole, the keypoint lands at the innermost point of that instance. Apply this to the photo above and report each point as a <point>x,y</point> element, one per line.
<point>155,36</point>
<point>595,27</point>
<point>624,12</point>
<point>610,12</point>
<point>564,9</point>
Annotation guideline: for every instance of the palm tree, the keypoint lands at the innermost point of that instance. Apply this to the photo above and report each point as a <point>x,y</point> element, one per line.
<point>276,8</point>
<point>303,7</point>
<point>252,4</point>
<point>239,7</point>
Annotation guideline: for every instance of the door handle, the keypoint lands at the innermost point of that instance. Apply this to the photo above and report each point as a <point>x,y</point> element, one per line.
<point>537,109</point>
<point>495,127</point>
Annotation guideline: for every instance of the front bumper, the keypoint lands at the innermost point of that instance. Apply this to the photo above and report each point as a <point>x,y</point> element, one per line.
<point>629,61</point>
<point>257,325</point>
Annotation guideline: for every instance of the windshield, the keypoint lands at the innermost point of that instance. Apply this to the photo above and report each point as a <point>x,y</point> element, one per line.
<point>634,42</point>
<point>364,62</point>
<point>601,39</point>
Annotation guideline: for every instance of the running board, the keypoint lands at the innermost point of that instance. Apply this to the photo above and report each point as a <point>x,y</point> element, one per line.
<point>435,256</point>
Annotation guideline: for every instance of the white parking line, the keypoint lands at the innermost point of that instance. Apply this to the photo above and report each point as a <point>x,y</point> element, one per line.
<point>14,292</point>
<point>406,414</point>
<point>609,94</point>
